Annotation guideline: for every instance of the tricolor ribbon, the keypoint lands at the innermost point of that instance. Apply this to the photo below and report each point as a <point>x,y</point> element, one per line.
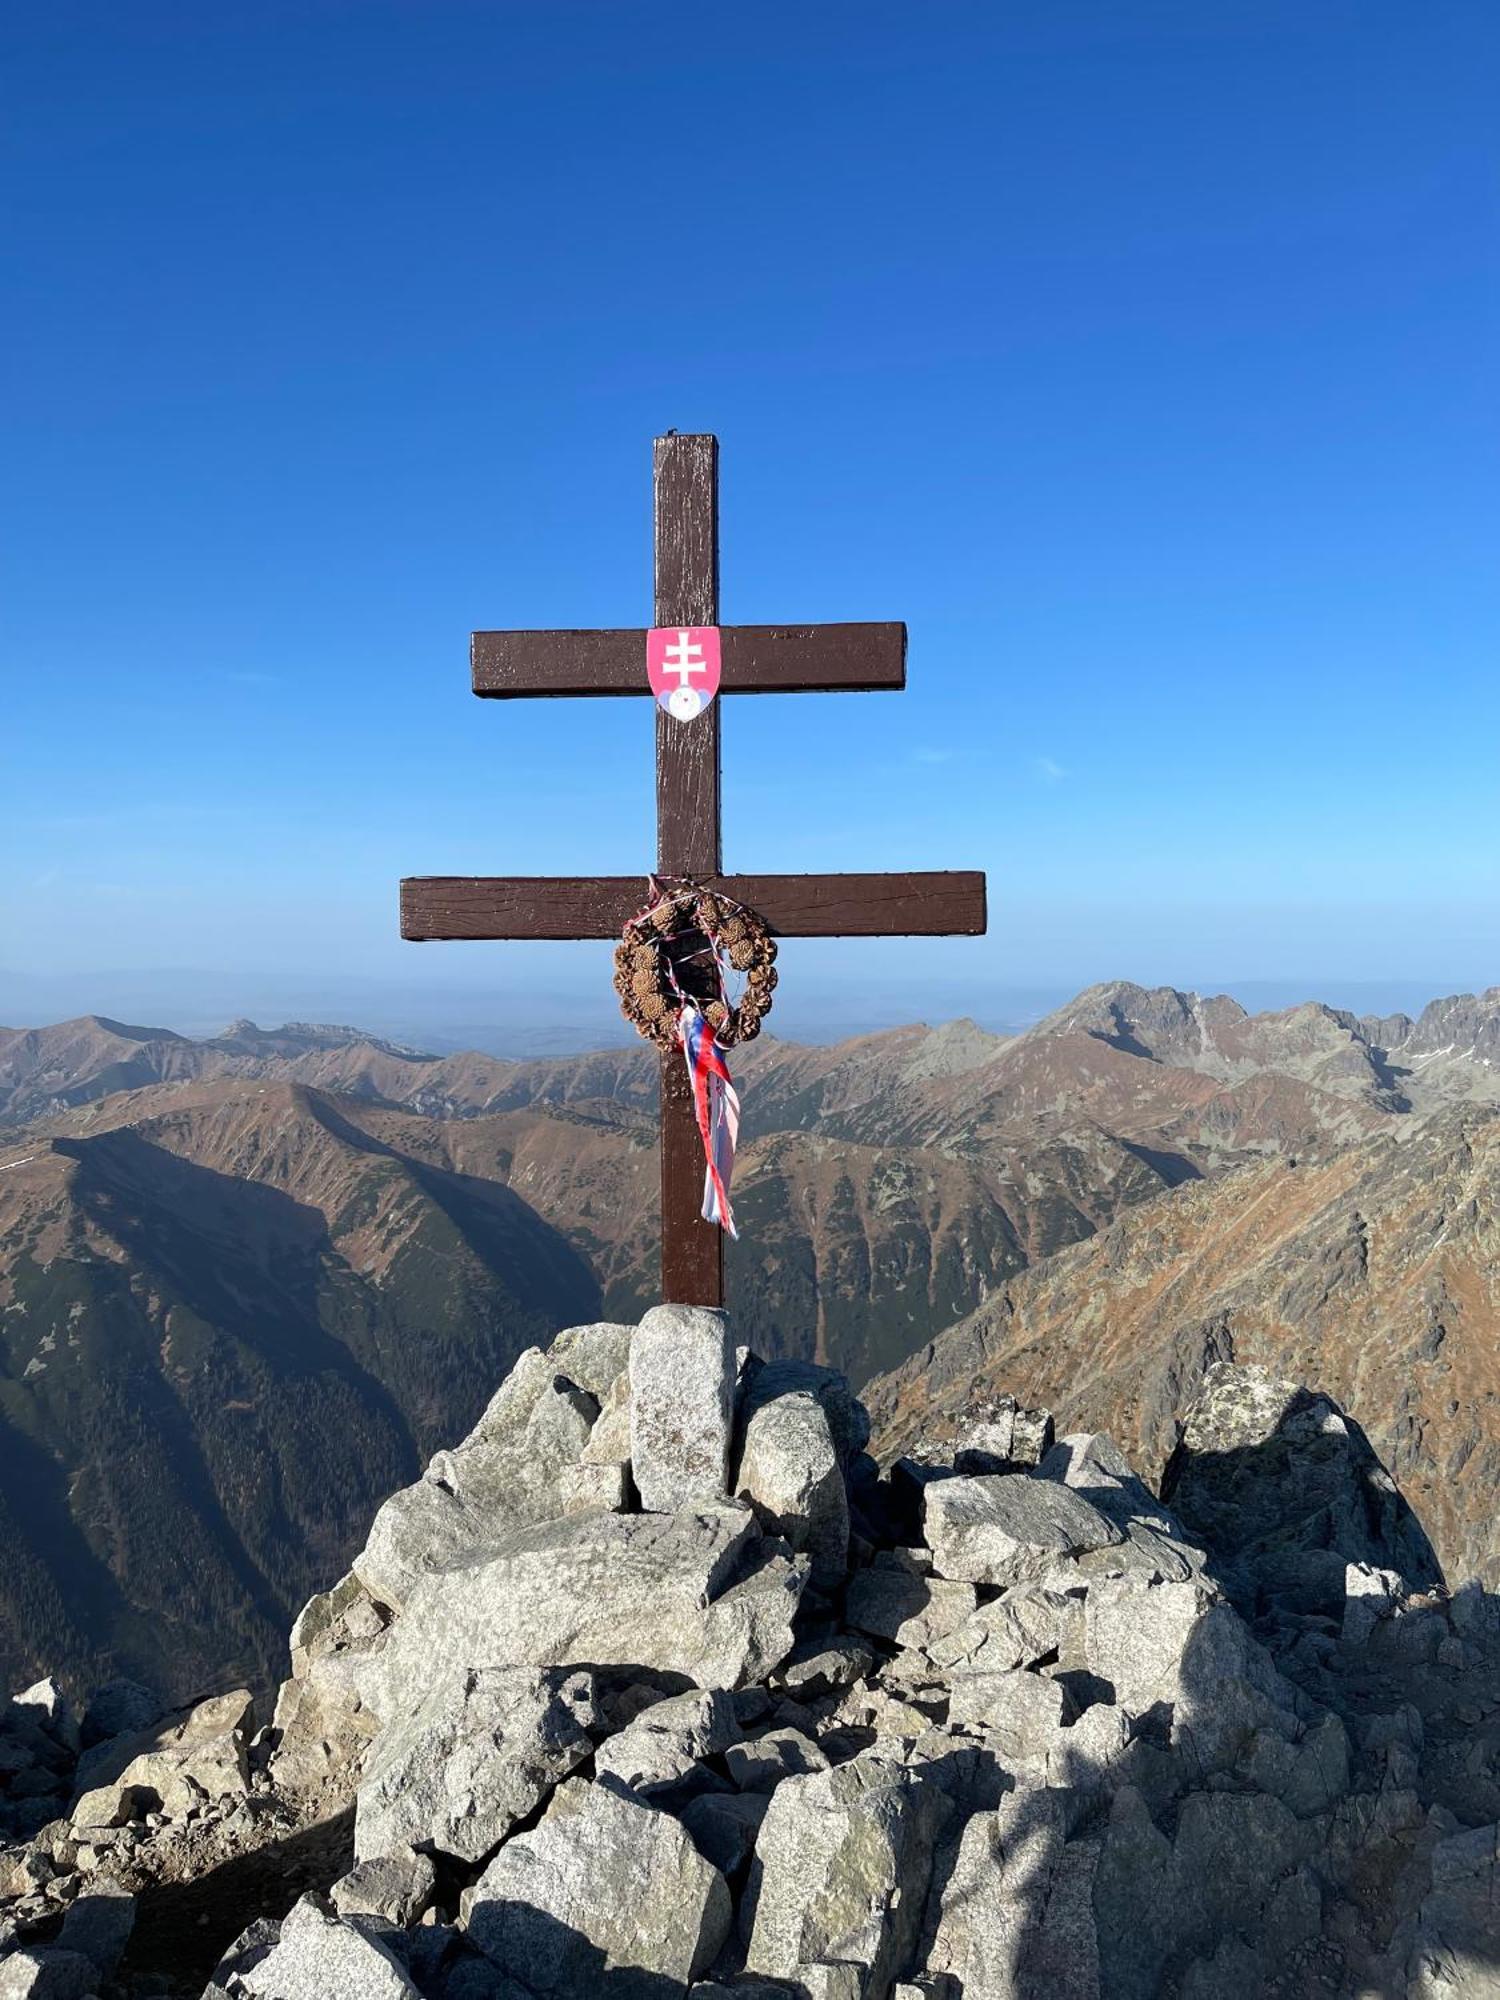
<point>718,1112</point>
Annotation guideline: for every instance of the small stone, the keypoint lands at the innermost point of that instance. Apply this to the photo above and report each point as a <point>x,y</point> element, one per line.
<point>760,1765</point>
<point>394,1886</point>
<point>839,1980</point>
<point>584,1489</point>
<point>822,1666</point>
<point>999,1436</point>
<point>333,1621</point>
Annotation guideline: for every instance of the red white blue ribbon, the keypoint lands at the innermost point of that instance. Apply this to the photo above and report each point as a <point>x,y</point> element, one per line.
<point>718,1111</point>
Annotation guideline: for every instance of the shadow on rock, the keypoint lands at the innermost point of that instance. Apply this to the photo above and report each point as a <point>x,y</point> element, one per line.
<point>182,1929</point>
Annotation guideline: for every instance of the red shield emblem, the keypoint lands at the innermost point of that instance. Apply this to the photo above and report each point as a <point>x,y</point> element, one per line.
<point>682,665</point>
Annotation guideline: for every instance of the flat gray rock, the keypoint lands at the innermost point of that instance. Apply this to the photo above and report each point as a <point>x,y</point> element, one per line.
<point>1020,1715</point>
<point>509,1472</point>
<point>841,1871</point>
<point>1007,1528</point>
<point>604,1895</point>
<point>665,1744</point>
<point>890,1603</point>
<point>481,1751</point>
<point>822,1666</point>
<point>319,1954</point>
<point>696,1593</point>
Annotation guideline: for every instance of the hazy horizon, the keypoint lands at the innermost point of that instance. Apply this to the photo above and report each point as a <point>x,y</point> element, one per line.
<point>573,1019</point>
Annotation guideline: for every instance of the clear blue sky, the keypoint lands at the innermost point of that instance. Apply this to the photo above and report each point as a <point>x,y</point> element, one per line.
<point>1142,356</point>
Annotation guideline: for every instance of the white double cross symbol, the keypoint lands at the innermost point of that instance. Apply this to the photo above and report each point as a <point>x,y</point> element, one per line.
<point>683,658</point>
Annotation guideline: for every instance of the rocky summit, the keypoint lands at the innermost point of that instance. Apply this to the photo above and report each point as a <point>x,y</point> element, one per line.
<point>657,1683</point>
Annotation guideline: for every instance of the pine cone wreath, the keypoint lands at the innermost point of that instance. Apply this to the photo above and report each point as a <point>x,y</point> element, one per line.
<point>678,922</point>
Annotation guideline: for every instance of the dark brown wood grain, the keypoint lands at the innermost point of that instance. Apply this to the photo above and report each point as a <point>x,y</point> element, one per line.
<point>940,903</point>
<point>686,488</point>
<point>755,659</point>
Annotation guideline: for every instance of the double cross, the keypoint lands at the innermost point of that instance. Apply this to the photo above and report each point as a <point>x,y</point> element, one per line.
<point>755,659</point>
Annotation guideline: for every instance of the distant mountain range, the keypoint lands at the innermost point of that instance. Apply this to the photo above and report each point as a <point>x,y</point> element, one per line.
<point>248,1282</point>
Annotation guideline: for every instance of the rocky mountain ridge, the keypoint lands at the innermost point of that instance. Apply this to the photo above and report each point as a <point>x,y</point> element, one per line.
<point>655,1686</point>
<point>1451,1052</point>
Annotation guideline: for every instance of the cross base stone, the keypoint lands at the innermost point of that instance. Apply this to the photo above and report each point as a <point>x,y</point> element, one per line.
<point>682,1381</point>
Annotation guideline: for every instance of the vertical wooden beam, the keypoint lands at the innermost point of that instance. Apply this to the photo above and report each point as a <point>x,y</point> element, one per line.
<point>687,593</point>
<point>686,483</point>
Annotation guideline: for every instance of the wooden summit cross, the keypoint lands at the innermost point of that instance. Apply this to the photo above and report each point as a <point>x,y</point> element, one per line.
<point>756,659</point>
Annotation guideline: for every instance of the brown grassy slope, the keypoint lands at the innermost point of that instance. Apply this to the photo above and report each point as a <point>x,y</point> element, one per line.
<point>1374,1274</point>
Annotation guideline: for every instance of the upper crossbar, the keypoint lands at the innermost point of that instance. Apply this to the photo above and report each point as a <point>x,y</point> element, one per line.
<point>939,903</point>
<point>755,659</point>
